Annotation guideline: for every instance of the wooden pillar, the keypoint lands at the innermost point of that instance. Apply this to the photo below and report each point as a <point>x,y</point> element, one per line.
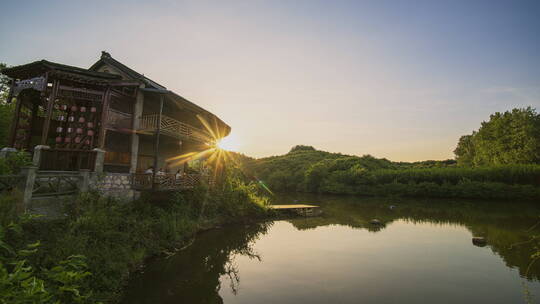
<point>156,143</point>
<point>104,113</point>
<point>137,113</point>
<point>11,91</point>
<point>30,175</point>
<point>49,112</point>
<point>14,122</point>
<point>33,122</point>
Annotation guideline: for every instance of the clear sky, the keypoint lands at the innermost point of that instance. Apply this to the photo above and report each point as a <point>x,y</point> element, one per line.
<point>396,79</point>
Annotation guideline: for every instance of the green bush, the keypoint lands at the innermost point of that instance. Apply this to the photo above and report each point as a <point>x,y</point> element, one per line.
<point>24,281</point>
<point>13,162</point>
<point>110,238</point>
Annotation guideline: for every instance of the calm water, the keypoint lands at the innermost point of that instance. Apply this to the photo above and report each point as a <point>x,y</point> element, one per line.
<point>423,254</point>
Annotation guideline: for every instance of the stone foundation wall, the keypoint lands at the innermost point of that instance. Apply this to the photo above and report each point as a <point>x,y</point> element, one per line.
<point>114,184</point>
<point>112,181</point>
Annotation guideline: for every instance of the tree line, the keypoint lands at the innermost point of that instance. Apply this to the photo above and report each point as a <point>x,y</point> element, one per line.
<point>512,137</point>
<point>500,160</point>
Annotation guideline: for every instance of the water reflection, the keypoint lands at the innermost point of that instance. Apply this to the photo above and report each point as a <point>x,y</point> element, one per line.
<point>505,225</point>
<point>193,276</point>
<point>342,257</point>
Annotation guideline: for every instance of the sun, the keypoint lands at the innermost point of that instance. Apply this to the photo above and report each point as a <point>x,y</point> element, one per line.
<point>229,143</point>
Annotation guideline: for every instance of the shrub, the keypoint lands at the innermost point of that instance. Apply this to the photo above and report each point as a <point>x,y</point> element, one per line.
<point>13,162</point>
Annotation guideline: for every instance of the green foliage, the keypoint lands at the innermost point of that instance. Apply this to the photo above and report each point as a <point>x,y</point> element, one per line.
<point>465,150</point>
<point>87,256</point>
<point>510,181</point>
<point>301,148</point>
<point>22,280</point>
<point>501,159</point>
<point>309,170</point>
<point>288,172</point>
<point>512,137</point>
<point>305,169</point>
<point>13,162</point>
<point>6,115</point>
<point>6,110</point>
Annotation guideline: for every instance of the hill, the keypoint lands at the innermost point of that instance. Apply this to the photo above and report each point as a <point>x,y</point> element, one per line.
<point>307,169</point>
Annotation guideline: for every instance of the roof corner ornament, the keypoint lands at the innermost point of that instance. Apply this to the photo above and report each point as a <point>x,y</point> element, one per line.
<point>36,83</point>
<point>104,54</point>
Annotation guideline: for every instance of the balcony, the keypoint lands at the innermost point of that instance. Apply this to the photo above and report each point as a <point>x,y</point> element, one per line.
<point>174,128</point>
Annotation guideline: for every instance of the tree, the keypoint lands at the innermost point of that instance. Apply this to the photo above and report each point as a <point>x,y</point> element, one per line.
<point>512,137</point>
<point>301,148</point>
<point>6,110</point>
<point>465,150</point>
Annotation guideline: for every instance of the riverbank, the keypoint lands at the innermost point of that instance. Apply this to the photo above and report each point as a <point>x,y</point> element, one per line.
<point>110,239</point>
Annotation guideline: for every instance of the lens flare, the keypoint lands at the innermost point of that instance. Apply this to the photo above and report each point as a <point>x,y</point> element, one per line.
<point>218,153</point>
<point>229,143</point>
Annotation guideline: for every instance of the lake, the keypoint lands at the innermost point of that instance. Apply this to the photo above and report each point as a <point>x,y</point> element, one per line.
<point>423,253</point>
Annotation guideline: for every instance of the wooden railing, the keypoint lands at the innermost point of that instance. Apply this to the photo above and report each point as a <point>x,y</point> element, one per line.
<point>173,128</point>
<point>143,181</point>
<point>67,159</point>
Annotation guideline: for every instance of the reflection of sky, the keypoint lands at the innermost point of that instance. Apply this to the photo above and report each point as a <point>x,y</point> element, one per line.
<point>397,79</point>
<point>403,263</point>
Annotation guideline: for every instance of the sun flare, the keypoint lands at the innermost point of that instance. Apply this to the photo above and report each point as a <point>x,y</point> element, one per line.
<point>229,143</point>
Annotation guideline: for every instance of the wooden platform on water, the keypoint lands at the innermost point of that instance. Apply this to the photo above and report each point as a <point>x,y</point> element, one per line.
<point>301,209</point>
<point>291,207</point>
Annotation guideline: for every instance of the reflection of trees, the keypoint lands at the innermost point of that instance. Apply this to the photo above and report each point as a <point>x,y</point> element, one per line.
<point>193,275</point>
<point>502,223</point>
<point>231,269</point>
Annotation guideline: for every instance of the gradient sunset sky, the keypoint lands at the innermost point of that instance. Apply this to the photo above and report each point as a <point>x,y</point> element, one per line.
<point>396,79</point>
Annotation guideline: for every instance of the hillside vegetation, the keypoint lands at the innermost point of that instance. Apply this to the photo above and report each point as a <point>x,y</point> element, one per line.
<point>501,160</point>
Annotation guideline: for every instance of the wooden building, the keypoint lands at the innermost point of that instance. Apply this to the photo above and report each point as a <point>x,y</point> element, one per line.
<point>79,112</point>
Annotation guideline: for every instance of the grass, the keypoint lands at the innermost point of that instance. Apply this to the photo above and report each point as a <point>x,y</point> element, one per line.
<point>115,237</point>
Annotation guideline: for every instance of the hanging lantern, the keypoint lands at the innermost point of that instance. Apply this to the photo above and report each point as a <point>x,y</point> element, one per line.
<point>59,139</point>
<point>73,108</point>
<point>90,124</point>
<point>71,119</point>
<point>61,118</point>
<point>83,109</point>
<point>87,142</point>
<point>64,107</point>
<point>59,130</point>
<point>79,130</point>
<point>69,130</point>
<point>77,139</point>
<point>81,119</point>
<point>90,132</point>
<point>93,109</point>
<point>67,139</point>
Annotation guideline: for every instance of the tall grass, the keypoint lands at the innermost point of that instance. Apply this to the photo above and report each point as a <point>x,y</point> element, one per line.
<point>116,236</point>
<point>499,182</point>
<point>509,174</point>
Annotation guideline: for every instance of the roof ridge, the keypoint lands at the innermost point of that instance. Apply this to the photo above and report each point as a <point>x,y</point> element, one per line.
<point>107,58</point>
<point>62,67</point>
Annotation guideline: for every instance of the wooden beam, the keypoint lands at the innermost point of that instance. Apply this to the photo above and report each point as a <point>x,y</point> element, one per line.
<point>49,112</point>
<point>156,143</point>
<point>104,116</point>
